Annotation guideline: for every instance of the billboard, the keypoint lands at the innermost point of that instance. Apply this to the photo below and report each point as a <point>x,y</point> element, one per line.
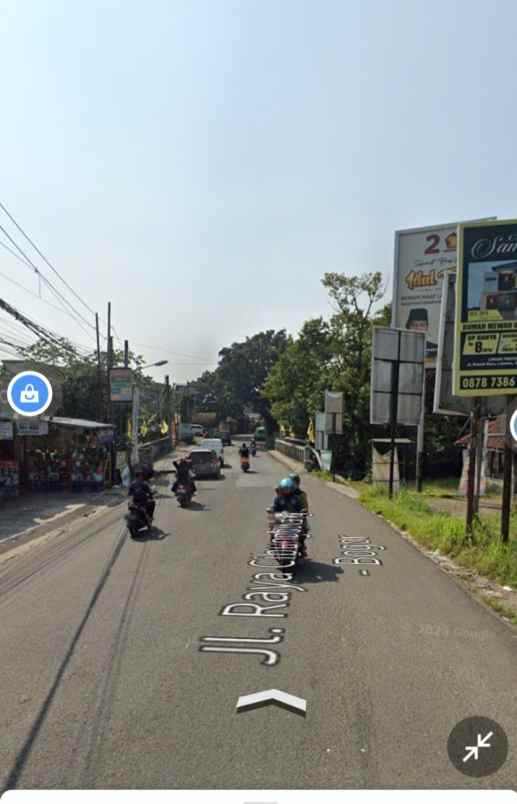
<point>485,344</point>
<point>421,258</point>
<point>445,402</point>
<point>397,368</point>
<point>121,385</point>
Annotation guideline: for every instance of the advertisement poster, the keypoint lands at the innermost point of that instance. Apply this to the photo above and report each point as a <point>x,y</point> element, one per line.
<point>421,258</point>
<point>485,344</point>
<point>121,385</point>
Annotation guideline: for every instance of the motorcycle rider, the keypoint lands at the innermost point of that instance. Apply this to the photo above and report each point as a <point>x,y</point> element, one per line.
<point>142,495</point>
<point>253,447</point>
<point>300,493</point>
<point>244,451</point>
<point>287,500</point>
<point>184,475</point>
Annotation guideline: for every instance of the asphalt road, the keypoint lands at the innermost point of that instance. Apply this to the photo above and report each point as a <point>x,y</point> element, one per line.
<point>103,683</point>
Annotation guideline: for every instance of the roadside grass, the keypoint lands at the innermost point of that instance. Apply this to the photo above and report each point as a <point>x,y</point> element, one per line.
<point>502,609</point>
<point>482,551</point>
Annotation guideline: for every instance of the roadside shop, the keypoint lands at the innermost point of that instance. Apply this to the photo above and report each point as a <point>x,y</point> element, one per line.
<point>59,453</point>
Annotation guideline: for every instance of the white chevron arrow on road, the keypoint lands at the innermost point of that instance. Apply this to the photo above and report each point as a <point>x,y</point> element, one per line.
<point>276,697</point>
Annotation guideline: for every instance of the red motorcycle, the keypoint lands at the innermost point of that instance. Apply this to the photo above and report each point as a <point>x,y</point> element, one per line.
<point>287,536</point>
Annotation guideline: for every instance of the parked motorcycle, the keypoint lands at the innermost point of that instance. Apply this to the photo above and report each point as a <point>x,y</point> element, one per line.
<point>287,532</point>
<point>245,463</point>
<point>136,520</point>
<point>183,495</point>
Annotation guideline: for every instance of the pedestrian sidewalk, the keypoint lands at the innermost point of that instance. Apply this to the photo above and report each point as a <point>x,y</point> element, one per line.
<point>39,512</point>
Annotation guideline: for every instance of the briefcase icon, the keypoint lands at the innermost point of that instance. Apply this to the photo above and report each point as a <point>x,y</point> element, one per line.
<point>29,394</point>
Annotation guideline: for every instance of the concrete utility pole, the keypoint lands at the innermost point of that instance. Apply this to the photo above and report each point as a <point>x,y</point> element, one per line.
<point>100,406</point>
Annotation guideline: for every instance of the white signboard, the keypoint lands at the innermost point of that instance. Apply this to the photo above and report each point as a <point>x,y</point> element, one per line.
<point>31,428</point>
<point>6,431</point>
<point>421,258</point>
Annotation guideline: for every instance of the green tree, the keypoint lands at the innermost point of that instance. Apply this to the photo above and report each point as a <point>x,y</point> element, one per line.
<point>236,384</point>
<point>355,299</point>
<point>294,386</point>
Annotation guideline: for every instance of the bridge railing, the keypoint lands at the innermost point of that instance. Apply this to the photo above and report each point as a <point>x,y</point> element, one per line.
<point>297,450</point>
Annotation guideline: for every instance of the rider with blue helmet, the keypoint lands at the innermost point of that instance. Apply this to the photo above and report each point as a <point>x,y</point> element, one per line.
<point>286,498</point>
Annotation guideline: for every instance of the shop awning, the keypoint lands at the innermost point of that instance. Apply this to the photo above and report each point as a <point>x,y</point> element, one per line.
<point>84,424</point>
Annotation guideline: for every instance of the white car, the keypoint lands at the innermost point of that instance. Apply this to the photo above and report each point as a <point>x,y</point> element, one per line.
<point>217,445</point>
<point>198,430</point>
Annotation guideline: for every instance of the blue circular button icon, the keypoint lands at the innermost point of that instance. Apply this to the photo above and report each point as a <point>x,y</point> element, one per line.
<point>513,425</point>
<point>29,393</point>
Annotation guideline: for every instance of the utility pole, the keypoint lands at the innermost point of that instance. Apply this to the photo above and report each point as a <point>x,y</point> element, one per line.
<point>100,406</point>
<point>113,452</point>
<point>168,410</point>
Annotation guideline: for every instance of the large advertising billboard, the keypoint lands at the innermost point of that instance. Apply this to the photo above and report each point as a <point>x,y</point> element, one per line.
<point>421,258</point>
<point>485,344</point>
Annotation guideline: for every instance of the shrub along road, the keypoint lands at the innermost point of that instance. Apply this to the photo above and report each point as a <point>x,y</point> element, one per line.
<point>104,683</point>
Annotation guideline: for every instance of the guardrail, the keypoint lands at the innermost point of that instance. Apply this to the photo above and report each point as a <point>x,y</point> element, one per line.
<point>296,449</point>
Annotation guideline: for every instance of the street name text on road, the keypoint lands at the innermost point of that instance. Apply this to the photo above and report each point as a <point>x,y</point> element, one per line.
<point>270,587</point>
<point>359,552</point>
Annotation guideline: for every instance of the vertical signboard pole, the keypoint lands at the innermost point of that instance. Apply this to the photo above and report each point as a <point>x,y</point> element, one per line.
<point>507,477</point>
<point>479,462</point>
<point>394,409</point>
<point>420,442</point>
<point>474,426</point>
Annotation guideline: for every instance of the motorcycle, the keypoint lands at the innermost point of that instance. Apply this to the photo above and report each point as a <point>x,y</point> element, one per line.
<point>286,532</point>
<point>183,495</point>
<point>253,451</point>
<point>245,463</point>
<point>136,519</point>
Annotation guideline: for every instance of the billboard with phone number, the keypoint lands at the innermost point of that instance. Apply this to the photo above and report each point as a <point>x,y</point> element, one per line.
<point>485,344</point>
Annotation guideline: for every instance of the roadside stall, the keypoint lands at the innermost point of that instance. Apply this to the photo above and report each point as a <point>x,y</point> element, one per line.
<point>9,468</point>
<point>71,454</point>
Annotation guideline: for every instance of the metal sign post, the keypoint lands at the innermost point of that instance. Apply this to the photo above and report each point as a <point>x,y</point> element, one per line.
<point>393,414</point>
<point>397,382</point>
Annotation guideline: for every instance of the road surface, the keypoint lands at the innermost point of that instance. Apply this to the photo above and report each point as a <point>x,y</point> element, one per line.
<point>104,684</point>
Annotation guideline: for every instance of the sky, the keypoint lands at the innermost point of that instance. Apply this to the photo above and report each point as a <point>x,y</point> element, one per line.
<point>201,164</point>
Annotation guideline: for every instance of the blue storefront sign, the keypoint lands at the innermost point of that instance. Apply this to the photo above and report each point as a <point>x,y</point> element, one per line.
<point>29,393</point>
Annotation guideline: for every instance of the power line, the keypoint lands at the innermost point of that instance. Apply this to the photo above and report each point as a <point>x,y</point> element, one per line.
<point>47,281</point>
<point>35,247</point>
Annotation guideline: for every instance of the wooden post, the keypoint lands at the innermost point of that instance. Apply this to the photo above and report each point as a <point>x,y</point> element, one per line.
<point>474,424</point>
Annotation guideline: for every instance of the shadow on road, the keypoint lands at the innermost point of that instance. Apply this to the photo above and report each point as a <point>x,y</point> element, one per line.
<point>316,572</point>
<point>154,535</point>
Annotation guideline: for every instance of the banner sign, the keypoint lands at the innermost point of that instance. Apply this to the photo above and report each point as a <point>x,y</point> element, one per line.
<point>421,258</point>
<point>34,427</point>
<point>6,431</point>
<point>121,385</point>
<point>485,344</point>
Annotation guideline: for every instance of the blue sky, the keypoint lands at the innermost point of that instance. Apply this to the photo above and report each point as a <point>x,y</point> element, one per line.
<point>203,163</point>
